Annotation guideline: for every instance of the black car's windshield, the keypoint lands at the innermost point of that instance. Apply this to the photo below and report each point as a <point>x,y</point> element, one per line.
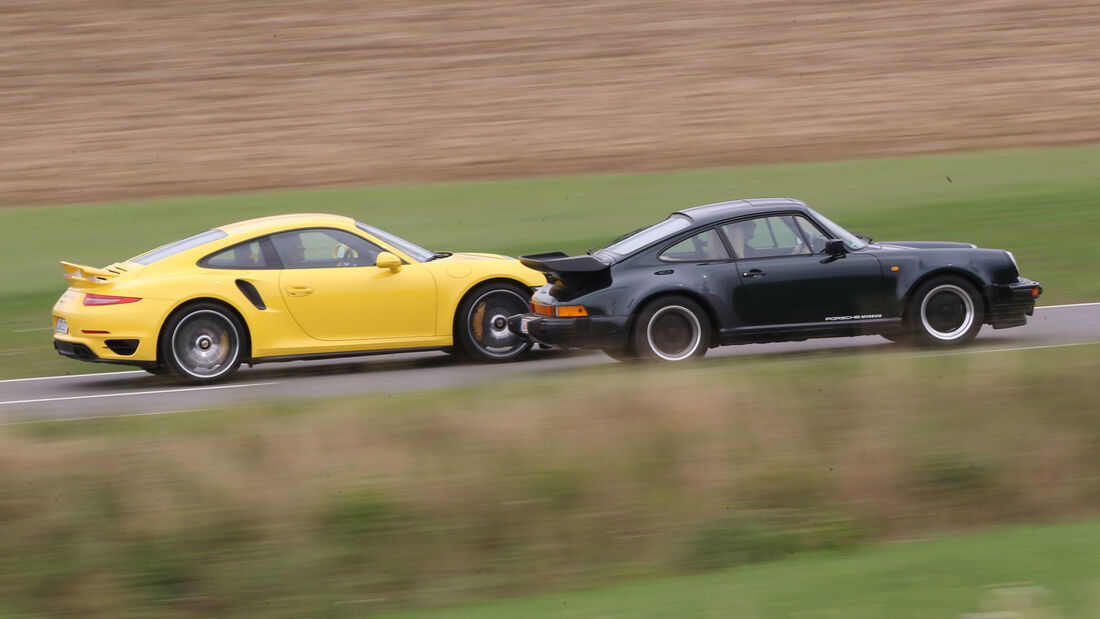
<point>172,249</point>
<point>851,240</point>
<point>412,250</point>
<point>646,236</point>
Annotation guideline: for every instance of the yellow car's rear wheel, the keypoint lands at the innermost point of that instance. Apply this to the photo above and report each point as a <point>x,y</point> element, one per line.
<point>481,323</point>
<point>202,343</point>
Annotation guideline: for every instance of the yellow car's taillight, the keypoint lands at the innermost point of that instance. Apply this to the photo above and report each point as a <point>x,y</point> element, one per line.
<point>106,299</point>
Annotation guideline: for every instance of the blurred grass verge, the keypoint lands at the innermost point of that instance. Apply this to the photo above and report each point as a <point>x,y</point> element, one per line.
<point>349,506</point>
<point>1041,204</point>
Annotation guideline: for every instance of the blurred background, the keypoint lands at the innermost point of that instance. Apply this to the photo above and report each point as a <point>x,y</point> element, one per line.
<point>881,483</point>
<point>104,100</point>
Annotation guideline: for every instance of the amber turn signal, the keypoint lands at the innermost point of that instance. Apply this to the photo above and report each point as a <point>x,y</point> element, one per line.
<point>560,311</point>
<point>571,311</point>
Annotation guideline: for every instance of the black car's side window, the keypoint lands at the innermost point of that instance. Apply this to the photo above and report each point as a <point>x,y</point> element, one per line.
<point>321,248</point>
<point>699,248</point>
<point>765,237</point>
<point>813,235</point>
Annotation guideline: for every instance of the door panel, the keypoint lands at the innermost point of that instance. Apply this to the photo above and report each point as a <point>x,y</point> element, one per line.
<point>361,303</point>
<point>809,289</point>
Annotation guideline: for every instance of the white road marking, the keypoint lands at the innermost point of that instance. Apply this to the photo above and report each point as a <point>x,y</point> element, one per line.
<point>19,380</point>
<point>57,420</point>
<point>977,351</point>
<point>34,329</point>
<point>133,393</point>
<point>16,380</point>
<point>1067,305</point>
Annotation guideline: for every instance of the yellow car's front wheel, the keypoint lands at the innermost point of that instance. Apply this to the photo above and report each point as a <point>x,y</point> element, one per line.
<point>481,324</point>
<point>202,343</point>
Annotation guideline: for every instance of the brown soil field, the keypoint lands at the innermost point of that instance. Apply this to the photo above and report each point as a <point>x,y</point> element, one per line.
<point>112,99</point>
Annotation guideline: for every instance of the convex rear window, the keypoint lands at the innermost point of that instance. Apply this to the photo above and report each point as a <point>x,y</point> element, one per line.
<point>172,249</point>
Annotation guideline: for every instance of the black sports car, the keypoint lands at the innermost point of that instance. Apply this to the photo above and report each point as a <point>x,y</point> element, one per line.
<point>766,270</point>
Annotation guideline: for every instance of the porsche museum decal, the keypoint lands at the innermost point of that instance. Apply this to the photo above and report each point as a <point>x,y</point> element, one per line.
<point>857,317</point>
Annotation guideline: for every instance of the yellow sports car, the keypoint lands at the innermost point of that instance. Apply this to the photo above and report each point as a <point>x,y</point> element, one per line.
<point>285,288</point>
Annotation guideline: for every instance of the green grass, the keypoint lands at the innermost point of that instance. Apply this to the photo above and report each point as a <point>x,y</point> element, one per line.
<point>1036,571</point>
<point>769,486</point>
<point>1041,204</point>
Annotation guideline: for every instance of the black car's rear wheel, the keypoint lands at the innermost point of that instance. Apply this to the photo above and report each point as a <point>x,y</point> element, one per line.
<point>481,323</point>
<point>671,328</point>
<point>945,311</point>
<point>202,343</point>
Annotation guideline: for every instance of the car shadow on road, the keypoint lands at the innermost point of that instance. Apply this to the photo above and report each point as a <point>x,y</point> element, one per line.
<point>332,367</point>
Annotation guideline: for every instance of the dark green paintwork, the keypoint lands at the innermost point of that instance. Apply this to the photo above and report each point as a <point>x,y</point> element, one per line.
<point>860,290</point>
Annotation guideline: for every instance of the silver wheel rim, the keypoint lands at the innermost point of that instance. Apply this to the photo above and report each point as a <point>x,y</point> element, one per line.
<point>947,312</point>
<point>674,333</point>
<point>205,344</point>
<point>487,323</point>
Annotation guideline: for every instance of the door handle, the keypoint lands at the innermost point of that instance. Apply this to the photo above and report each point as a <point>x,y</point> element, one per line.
<point>299,291</point>
<point>753,273</point>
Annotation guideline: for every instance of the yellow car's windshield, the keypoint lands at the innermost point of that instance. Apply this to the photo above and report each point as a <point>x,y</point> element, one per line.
<point>412,250</point>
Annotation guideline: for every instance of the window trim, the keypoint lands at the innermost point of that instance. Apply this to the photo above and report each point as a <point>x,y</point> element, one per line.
<point>801,234</point>
<point>270,256</point>
<point>382,248</point>
<point>268,247</point>
<point>721,237</point>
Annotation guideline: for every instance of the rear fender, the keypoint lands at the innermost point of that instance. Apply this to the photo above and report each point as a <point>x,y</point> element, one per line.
<point>246,355</point>
<point>712,314</point>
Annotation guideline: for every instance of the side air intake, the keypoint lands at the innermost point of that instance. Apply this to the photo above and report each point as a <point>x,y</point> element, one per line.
<point>249,291</point>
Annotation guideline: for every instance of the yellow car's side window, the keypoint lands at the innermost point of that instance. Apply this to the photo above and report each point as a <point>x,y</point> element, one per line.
<point>321,248</point>
<point>248,255</point>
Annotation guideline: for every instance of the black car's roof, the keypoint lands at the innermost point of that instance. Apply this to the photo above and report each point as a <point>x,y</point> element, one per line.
<point>709,213</point>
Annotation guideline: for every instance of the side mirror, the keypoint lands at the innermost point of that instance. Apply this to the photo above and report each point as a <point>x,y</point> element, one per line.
<point>835,248</point>
<point>386,260</point>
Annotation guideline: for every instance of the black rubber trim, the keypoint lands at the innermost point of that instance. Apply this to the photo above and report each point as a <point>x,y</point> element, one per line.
<point>340,355</point>
<point>124,348</point>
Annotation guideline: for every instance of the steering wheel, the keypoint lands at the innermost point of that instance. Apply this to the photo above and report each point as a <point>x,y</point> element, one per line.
<point>345,256</point>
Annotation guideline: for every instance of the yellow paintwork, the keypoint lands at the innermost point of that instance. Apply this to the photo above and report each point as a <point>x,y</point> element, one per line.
<point>308,311</point>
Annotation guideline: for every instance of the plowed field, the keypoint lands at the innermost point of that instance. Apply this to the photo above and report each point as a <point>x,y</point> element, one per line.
<point>113,99</point>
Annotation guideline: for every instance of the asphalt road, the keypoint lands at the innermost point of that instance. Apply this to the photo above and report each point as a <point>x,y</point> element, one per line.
<point>59,398</point>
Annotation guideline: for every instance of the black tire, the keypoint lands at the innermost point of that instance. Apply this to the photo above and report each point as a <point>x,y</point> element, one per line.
<point>202,343</point>
<point>481,322</point>
<point>945,311</point>
<point>671,329</point>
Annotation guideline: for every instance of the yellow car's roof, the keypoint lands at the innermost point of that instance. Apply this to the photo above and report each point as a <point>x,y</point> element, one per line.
<point>275,223</point>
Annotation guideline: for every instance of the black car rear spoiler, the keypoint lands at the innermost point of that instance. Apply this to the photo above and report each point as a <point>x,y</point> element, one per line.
<point>570,275</point>
<point>560,262</point>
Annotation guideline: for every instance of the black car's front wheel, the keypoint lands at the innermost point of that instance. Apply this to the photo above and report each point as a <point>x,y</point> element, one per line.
<point>671,328</point>
<point>202,343</point>
<point>944,311</point>
<point>481,323</point>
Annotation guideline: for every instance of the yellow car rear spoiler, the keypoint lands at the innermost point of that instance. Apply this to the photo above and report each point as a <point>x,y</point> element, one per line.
<point>79,273</point>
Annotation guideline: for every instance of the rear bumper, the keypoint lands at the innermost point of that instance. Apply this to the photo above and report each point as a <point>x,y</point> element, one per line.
<point>83,352</point>
<point>1011,304</point>
<point>595,332</point>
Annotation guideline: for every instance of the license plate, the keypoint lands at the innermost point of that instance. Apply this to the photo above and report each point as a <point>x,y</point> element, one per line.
<point>62,326</point>
<point>523,324</point>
